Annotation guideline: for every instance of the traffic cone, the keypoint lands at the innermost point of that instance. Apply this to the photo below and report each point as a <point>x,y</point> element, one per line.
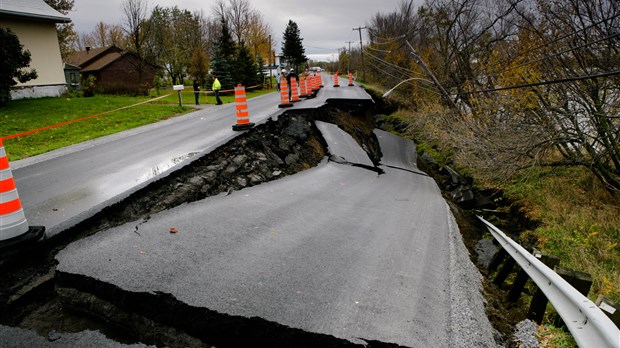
<point>14,227</point>
<point>350,79</point>
<point>284,102</point>
<point>243,116</point>
<point>294,90</point>
<point>336,80</point>
<point>310,87</point>
<point>303,92</point>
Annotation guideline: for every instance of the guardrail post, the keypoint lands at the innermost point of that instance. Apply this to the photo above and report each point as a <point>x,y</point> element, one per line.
<point>581,281</point>
<point>504,272</point>
<point>517,286</point>
<point>520,281</point>
<point>497,259</point>
<point>539,300</point>
<point>610,308</point>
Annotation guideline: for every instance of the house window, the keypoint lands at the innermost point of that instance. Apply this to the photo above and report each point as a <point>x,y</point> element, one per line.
<point>72,78</point>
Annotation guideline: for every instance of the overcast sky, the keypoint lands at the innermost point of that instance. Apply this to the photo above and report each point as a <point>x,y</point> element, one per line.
<point>325,25</point>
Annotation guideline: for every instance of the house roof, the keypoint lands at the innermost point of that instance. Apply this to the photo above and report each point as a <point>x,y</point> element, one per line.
<point>96,59</point>
<point>68,66</point>
<point>84,58</point>
<point>103,61</point>
<point>33,9</point>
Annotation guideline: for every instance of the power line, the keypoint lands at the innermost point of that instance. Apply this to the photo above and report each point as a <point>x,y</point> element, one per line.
<point>378,50</point>
<point>322,48</point>
<point>404,77</point>
<point>398,67</point>
<point>567,35</point>
<point>413,84</point>
<point>556,54</point>
<point>551,82</point>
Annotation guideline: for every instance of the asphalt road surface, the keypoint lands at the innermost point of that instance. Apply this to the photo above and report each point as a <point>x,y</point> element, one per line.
<point>338,250</point>
<point>64,187</point>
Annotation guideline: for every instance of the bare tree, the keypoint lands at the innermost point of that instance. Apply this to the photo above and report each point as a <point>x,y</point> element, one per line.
<point>555,94</point>
<point>138,29</point>
<point>237,15</point>
<point>579,41</point>
<point>246,25</point>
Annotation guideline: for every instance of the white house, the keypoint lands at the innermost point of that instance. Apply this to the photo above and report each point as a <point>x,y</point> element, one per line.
<point>34,23</point>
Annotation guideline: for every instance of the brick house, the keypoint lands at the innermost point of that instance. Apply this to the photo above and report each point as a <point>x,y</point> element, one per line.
<point>115,70</point>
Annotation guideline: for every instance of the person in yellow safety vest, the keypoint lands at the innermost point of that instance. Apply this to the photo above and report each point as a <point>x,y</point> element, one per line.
<point>217,86</point>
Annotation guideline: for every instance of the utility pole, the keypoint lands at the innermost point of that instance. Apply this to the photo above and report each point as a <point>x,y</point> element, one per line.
<point>428,71</point>
<point>349,57</point>
<point>270,67</point>
<point>362,51</point>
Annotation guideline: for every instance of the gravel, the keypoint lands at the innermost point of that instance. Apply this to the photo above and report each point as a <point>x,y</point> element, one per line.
<point>27,338</point>
<point>525,334</point>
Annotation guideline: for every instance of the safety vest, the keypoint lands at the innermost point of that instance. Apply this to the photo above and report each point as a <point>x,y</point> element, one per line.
<point>216,85</point>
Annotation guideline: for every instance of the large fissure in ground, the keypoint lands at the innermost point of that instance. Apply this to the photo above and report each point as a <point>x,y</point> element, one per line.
<point>282,146</point>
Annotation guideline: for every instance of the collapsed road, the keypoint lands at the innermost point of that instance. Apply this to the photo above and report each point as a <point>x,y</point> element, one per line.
<point>355,250</point>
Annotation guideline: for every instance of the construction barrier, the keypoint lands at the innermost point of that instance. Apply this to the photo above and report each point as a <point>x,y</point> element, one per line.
<point>14,227</point>
<point>294,90</point>
<point>336,84</point>
<point>350,79</point>
<point>243,116</point>
<point>303,92</point>
<point>284,102</point>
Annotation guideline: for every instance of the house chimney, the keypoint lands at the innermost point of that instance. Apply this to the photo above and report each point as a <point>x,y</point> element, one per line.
<point>87,49</point>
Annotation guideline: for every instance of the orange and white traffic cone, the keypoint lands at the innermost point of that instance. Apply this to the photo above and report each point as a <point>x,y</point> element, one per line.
<point>336,84</point>
<point>350,79</point>
<point>294,90</point>
<point>310,87</point>
<point>303,92</point>
<point>243,116</point>
<point>284,102</point>
<point>14,227</point>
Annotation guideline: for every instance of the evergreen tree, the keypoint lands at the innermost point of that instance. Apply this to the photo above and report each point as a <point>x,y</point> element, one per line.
<point>223,60</point>
<point>292,48</point>
<point>221,68</point>
<point>245,67</point>
<point>13,59</point>
<point>226,43</point>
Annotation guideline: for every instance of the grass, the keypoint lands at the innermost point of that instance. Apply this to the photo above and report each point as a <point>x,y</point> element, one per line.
<point>29,114</point>
<point>581,222</point>
<point>552,337</point>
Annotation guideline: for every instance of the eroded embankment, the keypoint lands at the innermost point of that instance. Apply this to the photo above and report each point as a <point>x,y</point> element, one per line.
<point>285,146</point>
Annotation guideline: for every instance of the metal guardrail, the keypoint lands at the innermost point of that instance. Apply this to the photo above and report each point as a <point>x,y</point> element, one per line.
<point>589,326</point>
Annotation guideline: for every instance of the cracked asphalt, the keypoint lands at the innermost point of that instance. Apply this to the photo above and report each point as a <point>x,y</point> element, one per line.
<point>337,250</point>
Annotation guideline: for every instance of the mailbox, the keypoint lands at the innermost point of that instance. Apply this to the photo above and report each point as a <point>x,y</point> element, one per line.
<point>177,87</point>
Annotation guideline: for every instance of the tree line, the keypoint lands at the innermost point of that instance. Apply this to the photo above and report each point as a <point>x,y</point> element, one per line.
<point>509,84</point>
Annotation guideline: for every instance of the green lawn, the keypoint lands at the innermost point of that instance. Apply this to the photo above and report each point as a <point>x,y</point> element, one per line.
<point>24,115</point>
